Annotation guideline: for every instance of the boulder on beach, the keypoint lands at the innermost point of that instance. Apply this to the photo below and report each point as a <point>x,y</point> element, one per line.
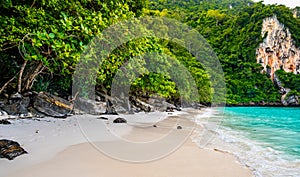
<point>179,127</point>
<point>51,105</point>
<point>4,122</point>
<point>120,120</point>
<point>89,106</point>
<point>10,149</point>
<point>17,105</point>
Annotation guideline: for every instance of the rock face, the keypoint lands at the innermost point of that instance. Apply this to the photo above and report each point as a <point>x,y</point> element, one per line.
<point>10,149</point>
<point>278,50</point>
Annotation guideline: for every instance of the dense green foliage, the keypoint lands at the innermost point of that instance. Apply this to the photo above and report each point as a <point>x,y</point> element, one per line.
<point>233,29</point>
<point>289,80</point>
<point>51,35</point>
<point>55,33</point>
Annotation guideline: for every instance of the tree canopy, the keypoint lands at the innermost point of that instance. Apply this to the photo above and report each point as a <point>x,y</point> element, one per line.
<point>41,43</point>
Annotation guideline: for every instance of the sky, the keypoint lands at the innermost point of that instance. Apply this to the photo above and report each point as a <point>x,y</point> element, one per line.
<point>289,3</point>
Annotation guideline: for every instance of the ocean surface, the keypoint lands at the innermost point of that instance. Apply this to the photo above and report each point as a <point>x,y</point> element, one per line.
<point>265,139</point>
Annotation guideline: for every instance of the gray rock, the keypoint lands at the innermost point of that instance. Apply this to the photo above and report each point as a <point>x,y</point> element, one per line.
<point>110,109</point>
<point>2,103</point>
<point>141,105</point>
<point>35,113</point>
<point>3,113</point>
<point>16,96</point>
<point>179,127</point>
<point>4,122</point>
<point>10,149</point>
<point>292,100</point>
<point>52,105</point>
<point>120,109</point>
<point>89,106</point>
<point>120,120</point>
<point>17,106</point>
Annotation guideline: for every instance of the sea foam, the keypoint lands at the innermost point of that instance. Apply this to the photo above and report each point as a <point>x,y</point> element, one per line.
<point>262,157</point>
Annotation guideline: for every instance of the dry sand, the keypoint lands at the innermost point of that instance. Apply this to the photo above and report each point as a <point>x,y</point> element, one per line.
<point>137,143</point>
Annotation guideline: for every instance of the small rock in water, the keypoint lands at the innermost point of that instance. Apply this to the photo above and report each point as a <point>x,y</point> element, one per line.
<point>179,127</point>
<point>120,120</point>
<point>10,149</point>
<point>154,126</point>
<point>4,122</point>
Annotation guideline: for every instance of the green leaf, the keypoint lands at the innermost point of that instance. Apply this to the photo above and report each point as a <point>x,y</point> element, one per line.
<point>51,35</point>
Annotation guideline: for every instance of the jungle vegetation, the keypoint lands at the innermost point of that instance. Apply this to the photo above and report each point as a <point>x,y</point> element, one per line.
<point>41,42</point>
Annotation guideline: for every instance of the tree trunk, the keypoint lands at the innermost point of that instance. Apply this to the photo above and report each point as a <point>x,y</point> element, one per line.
<point>20,76</point>
<point>32,75</point>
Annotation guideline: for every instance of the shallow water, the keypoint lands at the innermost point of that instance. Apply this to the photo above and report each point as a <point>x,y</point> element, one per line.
<point>265,139</point>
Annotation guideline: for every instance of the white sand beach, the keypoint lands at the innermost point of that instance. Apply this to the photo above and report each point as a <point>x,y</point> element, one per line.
<point>84,145</point>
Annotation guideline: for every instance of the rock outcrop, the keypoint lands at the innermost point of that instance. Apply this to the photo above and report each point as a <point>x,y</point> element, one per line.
<point>278,50</point>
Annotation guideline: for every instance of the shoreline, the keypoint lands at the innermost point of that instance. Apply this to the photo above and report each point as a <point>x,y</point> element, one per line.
<point>267,105</point>
<point>252,145</point>
<point>81,158</point>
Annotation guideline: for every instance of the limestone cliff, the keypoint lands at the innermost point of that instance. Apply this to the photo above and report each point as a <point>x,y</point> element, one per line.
<point>278,50</point>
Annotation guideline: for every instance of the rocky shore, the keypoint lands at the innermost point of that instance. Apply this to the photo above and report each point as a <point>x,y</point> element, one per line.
<point>36,106</point>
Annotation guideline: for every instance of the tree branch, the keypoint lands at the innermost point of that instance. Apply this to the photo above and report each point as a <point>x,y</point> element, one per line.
<point>5,85</point>
<point>9,47</point>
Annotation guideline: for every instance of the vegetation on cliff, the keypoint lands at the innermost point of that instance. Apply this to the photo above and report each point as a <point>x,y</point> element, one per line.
<point>233,29</point>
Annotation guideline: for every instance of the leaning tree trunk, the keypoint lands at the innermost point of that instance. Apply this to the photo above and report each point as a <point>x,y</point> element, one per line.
<point>20,76</point>
<point>31,73</point>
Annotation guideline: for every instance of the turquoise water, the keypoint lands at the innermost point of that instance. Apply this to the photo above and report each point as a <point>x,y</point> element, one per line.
<point>265,139</point>
<point>276,127</point>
